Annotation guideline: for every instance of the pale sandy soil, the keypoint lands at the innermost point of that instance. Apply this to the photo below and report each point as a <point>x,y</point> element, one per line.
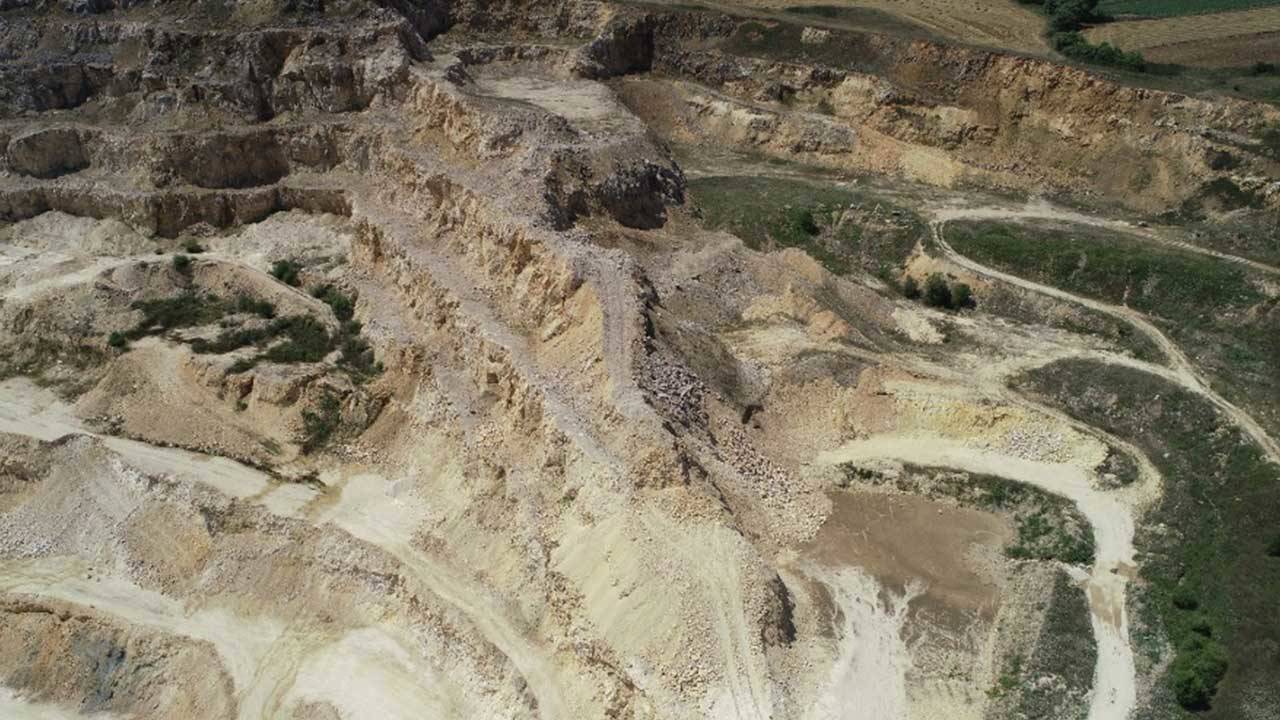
<point>868,679</point>
<point>14,707</point>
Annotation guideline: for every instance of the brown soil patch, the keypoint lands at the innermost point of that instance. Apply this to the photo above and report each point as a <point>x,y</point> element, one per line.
<point>904,538</point>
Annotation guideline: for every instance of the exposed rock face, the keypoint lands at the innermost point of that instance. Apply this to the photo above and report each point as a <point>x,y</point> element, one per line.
<point>47,153</point>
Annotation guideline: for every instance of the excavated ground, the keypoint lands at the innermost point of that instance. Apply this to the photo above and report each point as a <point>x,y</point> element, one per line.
<point>443,359</point>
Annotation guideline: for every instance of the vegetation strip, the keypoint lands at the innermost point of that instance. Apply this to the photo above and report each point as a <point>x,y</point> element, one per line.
<point>1210,583</point>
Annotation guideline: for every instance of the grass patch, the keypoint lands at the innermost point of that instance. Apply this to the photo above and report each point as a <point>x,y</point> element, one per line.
<point>1010,677</point>
<point>783,41</point>
<point>860,18</point>
<point>189,309</point>
<point>1208,585</point>
<point>1065,651</point>
<point>66,367</point>
<point>844,230</point>
<point>291,339</point>
<point>1108,267</point>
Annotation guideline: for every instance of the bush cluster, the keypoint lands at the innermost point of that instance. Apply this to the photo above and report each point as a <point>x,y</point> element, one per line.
<point>1065,20</point>
<point>286,271</point>
<point>318,427</point>
<point>1075,46</point>
<point>939,293</point>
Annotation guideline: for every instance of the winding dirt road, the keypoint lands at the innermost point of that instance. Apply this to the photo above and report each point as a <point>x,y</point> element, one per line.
<point>1182,370</point>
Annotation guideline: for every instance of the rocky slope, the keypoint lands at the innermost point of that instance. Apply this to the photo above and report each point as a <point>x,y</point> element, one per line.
<point>368,360</point>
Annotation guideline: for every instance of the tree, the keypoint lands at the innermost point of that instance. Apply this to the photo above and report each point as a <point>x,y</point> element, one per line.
<point>961,295</point>
<point>1196,672</point>
<point>911,288</point>
<point>1069,15</point>
<point>936,292</point>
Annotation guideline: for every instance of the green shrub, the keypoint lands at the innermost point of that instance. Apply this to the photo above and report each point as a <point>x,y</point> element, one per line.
<point>1075,46</point>
<point>961,296</point>
<point>286,271</point>
<point>796,226</point>
<point>231,340</point>
<point>182,264</point>
<point>318,427</point>
<point>936,292</point>
<point>118,340</point>
<point>1068,15</point>
<point>1196,671</point>
<point>1184,598</point>
<point>306,340</point>
<point>1274,548</point>
<point>193,247</point>
<point>253,306</point>
<point>911,288</point>
<point>343,305</point>
<point>186,310</point>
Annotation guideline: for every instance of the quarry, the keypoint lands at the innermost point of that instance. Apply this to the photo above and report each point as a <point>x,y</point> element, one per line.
<point>370,359</point>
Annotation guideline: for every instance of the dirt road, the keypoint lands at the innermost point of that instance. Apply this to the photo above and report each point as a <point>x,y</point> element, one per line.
<point>1109,513</point>
<point>1182,370</point>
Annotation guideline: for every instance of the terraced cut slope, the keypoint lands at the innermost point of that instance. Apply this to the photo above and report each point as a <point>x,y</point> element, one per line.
<point>470,359</point>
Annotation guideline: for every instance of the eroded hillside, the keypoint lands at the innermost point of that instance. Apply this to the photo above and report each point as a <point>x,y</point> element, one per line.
<point>582,360</point>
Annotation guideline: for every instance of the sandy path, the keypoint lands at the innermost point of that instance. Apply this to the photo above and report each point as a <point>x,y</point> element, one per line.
<point>27,409</point>
<point>999,24</point>
<point>243,642</point>
<point>1181,369</point>
<point>1114,691</point>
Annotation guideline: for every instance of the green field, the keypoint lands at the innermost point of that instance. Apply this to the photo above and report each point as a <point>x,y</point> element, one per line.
<point>1174,8</point>
<point>1163,282</point>
<point>844,229</point>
